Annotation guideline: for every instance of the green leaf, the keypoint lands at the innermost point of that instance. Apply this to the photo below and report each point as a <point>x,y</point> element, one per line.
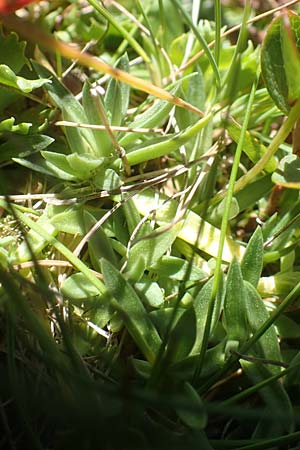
<point>177,269</point>
<point>42,166</point>
<point>207,240</point>
<point>201,306</point>
<point>20,146</point>
<point>215,214</point>
<point>80,140</point>
<point>150,292</point>
<point>280,61</point>
<point>117,95</point>
<point>147,251</point>
<point>106,179</point>
<point>31,321</point>
<point>278,404</point>
<point>235,314</point>
<point>12,55</point>
<point>287,328</point>
<point>166,145</point>
<point>182,337</point>
<point>288,172</point>
<point>234,70</point>
<point>99,245</point>
<point>91,109</point>
<point>9,125</point>
<point>83,294</point>
<point>252,147</point>
<point>213,361</point>
<point>194,415</point>
<point>78,287</point>
<point>195,94</point>
<point>10,79</point>
<point>293,376</point>
<point>177,48</point>
<point>70,220</point>
<point>162,317</point>
<point>253,192</point>
<point>142,368</point>
<point>291,56</point>
<point>133,218</point>
<point>12,51</point>
<point>34,243</point>
<point>257,314</point>
<point>252,262</point>
<point>152,117</point>
<point>200,38</point>
<point>75,166</point>
<point>279,284</point>
<point>132,311</point>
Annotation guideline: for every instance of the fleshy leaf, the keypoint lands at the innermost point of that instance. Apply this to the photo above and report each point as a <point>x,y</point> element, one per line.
<point>279,284</point>
<point>291,56</point>
<point>252,262</point>
<point>9,125</point>
<point>194,417</point>
<point>235,315</point>
<point>99,245</point>
<point>201,305</point>
<point>10,79</point>
<point>252,147</point>
<point>80,140</point>
<point>12,51</point>
<point>207,240</point>
<point>132,311</point>
<point>20,146</point>
<point>280,60</point>
<point>146,252</point>
<point>117,95</point>
<point>182,337</point>
<point>90,105</point>
<point>78,287</point>
<point>75,166</point>
<point>177,269</point>
<point>288,172</point>
<point>257,314</point>
<point>150,292</point>
<point>276,400</point>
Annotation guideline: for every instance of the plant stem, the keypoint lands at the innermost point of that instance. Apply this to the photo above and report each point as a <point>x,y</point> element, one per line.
<point>279,139</point>
<point>225,219</point>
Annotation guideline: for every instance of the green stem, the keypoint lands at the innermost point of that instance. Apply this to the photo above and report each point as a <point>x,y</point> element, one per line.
<point>254,389</point>
<point>168,146</point>
<point>76,262</point>
<point>272,443</point>
<point>135,45</point>
<point>200,39</point>
<point>244,349</point>
<point>235,64</point>
<point>225,219</point>
<point>278,140</point>
<point>218,26</point>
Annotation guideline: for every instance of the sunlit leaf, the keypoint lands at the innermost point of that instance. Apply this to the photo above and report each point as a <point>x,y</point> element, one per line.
<point>10,79</point>
<point>280,60</point>
<point>288,172</point>
<point>257,315</point>
<point>131,309</point>
<point>235,314</point>
<point>252,262</point>
<point>147,251</point>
